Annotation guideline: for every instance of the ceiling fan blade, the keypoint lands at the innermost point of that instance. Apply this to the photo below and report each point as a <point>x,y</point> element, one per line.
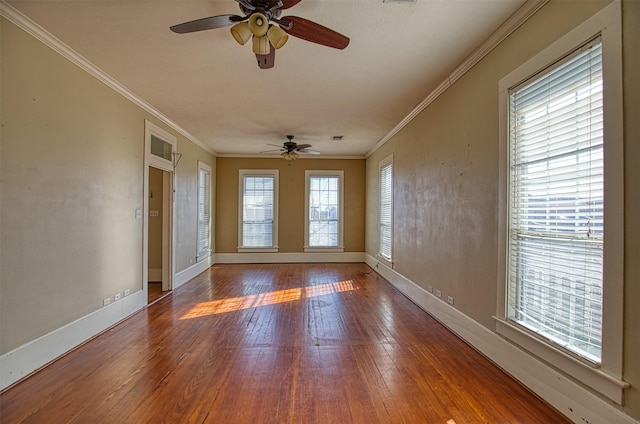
<point>308,151</point>
<point>212,22</point>
<point>271,151</point>
<point>267,61</point>
<point>313,32</point>
<point>302,146</point>
<point>289,3</point>
<point>276,145</point>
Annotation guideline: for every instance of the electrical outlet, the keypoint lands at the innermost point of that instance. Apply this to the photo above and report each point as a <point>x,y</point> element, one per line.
<point>450,300</point>
<point>106,301</point>
<point>430,289</point>
<point>438,293</point>
<point>117,296</point>
<point>127,292</point>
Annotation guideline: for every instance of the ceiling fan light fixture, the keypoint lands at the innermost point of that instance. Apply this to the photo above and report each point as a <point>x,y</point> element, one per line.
<point>261,45</point>
<point>258,24</point>
<point>277,36</point>
<point>289,155</point>
<point>241,32</point>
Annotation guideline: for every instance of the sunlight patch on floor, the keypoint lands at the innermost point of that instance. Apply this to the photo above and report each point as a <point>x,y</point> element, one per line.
<point>264,299</point>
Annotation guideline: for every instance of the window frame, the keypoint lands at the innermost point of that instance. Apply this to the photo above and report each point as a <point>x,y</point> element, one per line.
<point>605,377</point>
<point>272,173</point>
<point>387,161</point>
<point>308,174</point>
<point>203,252</point>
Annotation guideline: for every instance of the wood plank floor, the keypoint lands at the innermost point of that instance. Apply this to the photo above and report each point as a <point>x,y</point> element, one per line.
<point>293,343</point>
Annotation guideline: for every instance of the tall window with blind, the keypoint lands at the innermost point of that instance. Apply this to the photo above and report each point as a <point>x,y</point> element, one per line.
<point>386,208</point>
<point>204,211</point>
<point>556,204</point>
<point>324,213</point>
<point>258,209</point>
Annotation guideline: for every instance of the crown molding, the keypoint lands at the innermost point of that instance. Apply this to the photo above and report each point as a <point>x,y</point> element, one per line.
<point>507,28</point>
<point>30,27</point>
<point>305,157</point>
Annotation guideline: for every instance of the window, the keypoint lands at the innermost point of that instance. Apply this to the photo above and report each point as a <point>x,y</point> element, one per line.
<point>258,226</point>
<point>323,211</point>
<point>160,147</point>
<point>386,208</point>
<point>204,211</point>
<point>556,204</point>
<point>562,188</point>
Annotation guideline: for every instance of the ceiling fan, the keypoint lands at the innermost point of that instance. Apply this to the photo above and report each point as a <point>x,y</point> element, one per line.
<point>291,150</point>
<point>258,23</point>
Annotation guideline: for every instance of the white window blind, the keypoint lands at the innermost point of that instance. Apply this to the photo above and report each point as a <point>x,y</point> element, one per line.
<point>556,204</point>
<point>386,208</point>
<point>204,211</point>
<point>324,211</point>
<point>258,211</point>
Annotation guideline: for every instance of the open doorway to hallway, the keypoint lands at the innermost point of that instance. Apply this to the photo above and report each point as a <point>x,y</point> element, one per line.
<point>159,234</point>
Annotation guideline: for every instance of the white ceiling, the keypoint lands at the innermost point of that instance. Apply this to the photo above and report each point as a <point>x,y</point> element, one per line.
<point>212,87</point>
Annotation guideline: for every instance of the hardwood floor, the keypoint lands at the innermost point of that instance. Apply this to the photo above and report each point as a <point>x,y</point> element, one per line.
<point>154,291</point>
<point>292,343</point>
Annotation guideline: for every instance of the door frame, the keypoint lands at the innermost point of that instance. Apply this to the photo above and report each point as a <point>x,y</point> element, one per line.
<point>168,183</point>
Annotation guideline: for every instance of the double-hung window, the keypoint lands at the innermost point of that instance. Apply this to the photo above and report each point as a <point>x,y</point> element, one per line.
<point>556,204</point>
<point>324,210</point>
<point>258,210</point>
<point>386,209</point>
<point>204,211</point>
<point>562,209</point>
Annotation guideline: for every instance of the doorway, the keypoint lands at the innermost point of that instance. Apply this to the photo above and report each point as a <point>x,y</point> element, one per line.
<point>159,172</point>
<point>158,235</point>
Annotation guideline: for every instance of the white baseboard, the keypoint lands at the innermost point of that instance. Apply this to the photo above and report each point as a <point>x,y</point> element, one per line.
<point>26,359</point>
<point>187,274</point>
<point>266,258</point>
<point>576,403</point>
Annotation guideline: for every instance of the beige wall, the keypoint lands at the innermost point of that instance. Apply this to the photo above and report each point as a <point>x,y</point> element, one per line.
<point>291,206</point>
<point>72,170</point>
<point>446,179</point>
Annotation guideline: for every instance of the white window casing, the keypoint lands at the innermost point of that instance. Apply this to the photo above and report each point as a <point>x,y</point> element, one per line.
<point>204,211</point>
<point>385,208</point>
<point>258,210</point>
<point>324,211</point>
<point>561,190</point>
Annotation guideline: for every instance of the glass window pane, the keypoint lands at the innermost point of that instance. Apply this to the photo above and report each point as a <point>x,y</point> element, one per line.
<point>556,212</point>
<point>324,211</point>
<point>257,215</point>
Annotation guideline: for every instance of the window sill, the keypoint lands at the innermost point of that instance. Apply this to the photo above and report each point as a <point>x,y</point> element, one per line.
<point>258,249</point>
<point>588,374</point>
<point>328,249</point>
